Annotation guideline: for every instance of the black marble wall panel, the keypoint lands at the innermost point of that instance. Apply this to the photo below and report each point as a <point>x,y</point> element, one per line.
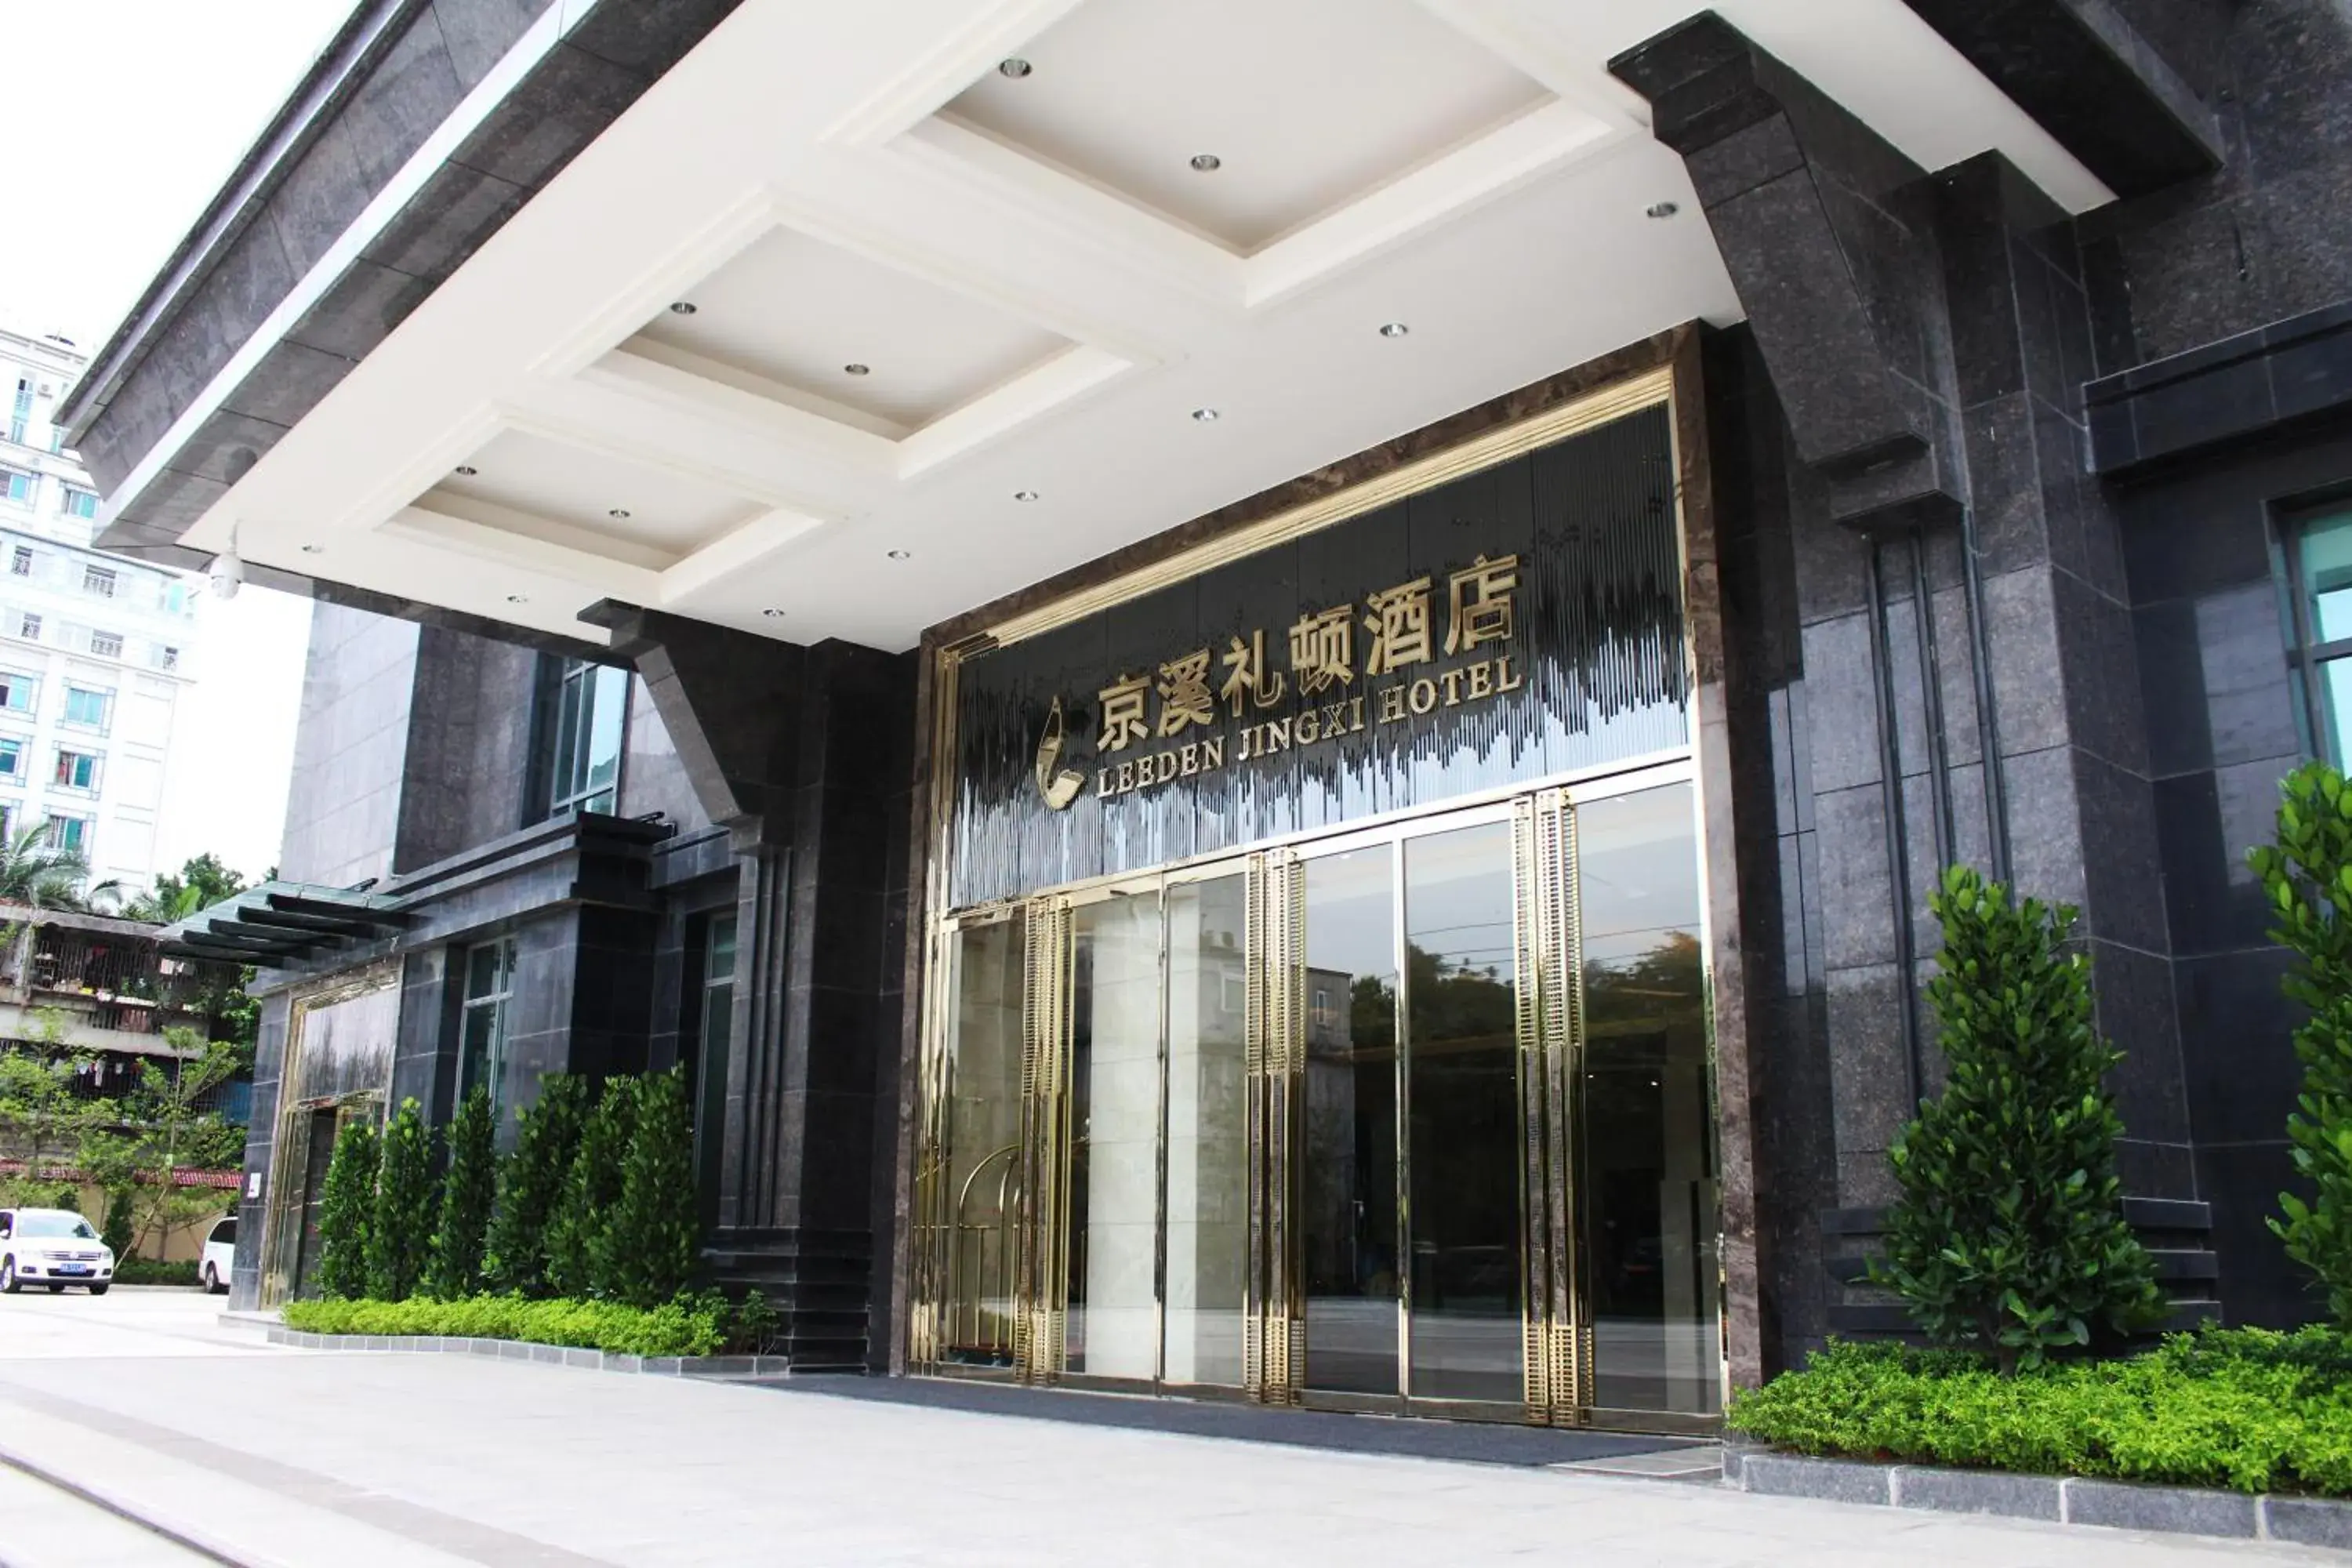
<point>1597,648</point>
<point>468,758</point>
<point>342,800</point>
<point>260,1146</point>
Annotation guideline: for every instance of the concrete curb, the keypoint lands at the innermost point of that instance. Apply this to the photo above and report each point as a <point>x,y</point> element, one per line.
<point>717,1368</point>
<point>2059,1500</point>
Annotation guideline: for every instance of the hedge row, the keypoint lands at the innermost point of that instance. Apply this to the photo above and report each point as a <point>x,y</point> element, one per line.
<point>2246,1409</point>
<point>691,1325</point>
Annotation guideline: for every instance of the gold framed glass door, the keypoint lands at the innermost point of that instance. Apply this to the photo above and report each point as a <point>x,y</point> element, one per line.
<point>1412,1118</point>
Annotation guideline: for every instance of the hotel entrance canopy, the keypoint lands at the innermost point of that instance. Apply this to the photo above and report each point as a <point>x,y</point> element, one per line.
<point>832,322</point>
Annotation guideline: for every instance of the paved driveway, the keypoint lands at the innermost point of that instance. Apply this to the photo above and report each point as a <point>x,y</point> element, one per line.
<point>341,1460</point>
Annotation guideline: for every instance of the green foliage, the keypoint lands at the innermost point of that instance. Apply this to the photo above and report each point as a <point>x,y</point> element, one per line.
<point>466,1192</point>
<point>650,1246</point>
<point>177,1135</point>
<point>399,1235</point>
<point>2009,1232</point>
<point>531,1184</point>
<point>44,876</point>
<point>689,1325</point>
<point>2307,875</point>
<point>347,1211</point>
<point>576,1240</point>
<point>117,1232</point>
<point>38,1108</point>
<point>2243,1408</point>
<point>147,1271</point>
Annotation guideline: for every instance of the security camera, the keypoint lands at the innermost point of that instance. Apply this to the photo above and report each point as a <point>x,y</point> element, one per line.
<point>227,573</point>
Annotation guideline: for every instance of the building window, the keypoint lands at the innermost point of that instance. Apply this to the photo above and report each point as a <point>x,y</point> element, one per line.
<point>167,658</point>
<point>20,412</point>
<point>106,645</point>
<point>29,627</point>
<point>81,503</point>
<point>2319,564</point>
<point>12,760</point>
<point>68,833</point>
<point>580,730</point>
<point>482,1037</point>
<point>175,597</point>
<point>20,563</point>
<point>87,708</point>
<point>97,580</point>
<point>16,486</point>
<point>76,770</point>
<point>18,692</point>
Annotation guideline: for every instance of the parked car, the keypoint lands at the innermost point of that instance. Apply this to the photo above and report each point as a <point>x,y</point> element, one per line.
<point>56,1247</point>
<point>220,1251</point>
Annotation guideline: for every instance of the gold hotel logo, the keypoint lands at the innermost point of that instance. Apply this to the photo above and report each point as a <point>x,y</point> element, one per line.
<point>1320,687</point>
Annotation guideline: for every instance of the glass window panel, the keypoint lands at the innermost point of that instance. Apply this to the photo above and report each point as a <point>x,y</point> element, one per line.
<point>482,971</point>
<point>1645,1167</point>
<point>1208,1145</point>
<point>2327,546</point>
<point>979,1171</point>
<point>2336,699</point>
<point>1462,1099</point>
<point>1112,1327</point>
<point>1348,1183</point>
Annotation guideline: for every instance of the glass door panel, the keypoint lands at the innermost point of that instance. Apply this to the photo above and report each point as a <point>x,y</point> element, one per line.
<point>980,1194</point>
<point>1347,1180</point>
<point>1645,1148</point>
<point>1207,1242</point>
<point>1112,1329</point>
<point>1461,1057</point>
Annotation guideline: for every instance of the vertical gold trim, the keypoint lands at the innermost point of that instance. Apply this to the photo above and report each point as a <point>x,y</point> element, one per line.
<point>281,1234</point>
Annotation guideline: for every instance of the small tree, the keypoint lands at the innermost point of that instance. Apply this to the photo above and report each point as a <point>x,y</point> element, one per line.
<point>37,1102</point>
<point>531,1182</point>
<point>2009,1232</point>
<point>465,1194</point>
<point>592,1190</point>
<point>400,1235</point>
<point>347,1211</point>
<point>2308,877</point>
<point>647,1253</point>
<point>166,1102</point>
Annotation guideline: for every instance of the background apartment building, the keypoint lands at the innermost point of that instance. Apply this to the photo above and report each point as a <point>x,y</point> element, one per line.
<point>94,649</point>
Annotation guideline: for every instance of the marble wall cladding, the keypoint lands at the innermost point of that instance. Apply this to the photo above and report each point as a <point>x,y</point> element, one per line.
<point>343,807</point>
<point>653,778</point>
<point>466,772</point>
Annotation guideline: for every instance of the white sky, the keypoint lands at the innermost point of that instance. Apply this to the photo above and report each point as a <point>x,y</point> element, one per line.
<point>127,117</point>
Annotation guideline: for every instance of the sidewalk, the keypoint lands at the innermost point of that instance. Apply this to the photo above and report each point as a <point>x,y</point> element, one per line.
<point>301,1457</point>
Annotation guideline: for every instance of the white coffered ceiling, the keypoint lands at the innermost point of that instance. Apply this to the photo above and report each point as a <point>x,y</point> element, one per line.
<point>1038,289</point>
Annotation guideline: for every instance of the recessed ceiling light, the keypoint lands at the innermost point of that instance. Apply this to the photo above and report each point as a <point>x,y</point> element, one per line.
<point>467,471</point>
<point>681,307</point>
<point>1393,329</point>
<point>618,514</point>
<point>1205,415</point>
<point>1206,162</point>
<point>1025,495</point>
<point>314,550</point>
<point>518,599</point>
<point>774,614</point>
<point>1013,65</point>
<point>902,555</point>
<point>857,370</point>
<point>1664,209</point>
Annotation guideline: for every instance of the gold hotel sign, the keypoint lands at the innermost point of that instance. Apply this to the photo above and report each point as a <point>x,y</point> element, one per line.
<point>1187,719</point>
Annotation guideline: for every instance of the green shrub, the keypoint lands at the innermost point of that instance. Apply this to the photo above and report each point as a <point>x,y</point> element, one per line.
<point>400,1234</point>
<point>2241,1408</point>
<point>690,1325</point>
<point>347,1210</point>
<point>2009,1232</point>
<point>466,1189</point>
<point>649,1250</point>
<point>531,1184</point>
<point>118,1233</point>
<point>2308,878</point>
<point>147,1271</point>
<point>591,1191</point>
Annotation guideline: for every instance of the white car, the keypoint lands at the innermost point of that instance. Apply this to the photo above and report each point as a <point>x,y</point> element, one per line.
<point>56,1247</point>
<point>220,1252</point>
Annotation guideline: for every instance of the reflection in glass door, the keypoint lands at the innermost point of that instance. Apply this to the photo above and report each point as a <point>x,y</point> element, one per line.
<point>1206,1263</point>
<point>1114,1136</point>
<point>1347,1183</point>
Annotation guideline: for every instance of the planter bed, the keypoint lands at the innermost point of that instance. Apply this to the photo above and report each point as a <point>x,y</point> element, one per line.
<point>724,1367</point>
